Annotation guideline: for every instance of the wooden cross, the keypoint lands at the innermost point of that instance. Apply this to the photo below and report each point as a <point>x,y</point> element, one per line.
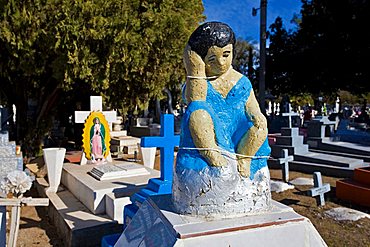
<point>284,161</point>
<point>290,114</point>
<point>96,105</point>
<point>319,189</point>
<point>16,204</point>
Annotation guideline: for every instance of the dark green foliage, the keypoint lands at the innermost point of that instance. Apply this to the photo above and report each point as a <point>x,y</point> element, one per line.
<point>245,59</point>
<point>329,51</point>
<point>125,50</point>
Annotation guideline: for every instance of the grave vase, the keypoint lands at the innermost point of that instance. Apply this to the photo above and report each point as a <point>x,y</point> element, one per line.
<point>147,156</point>
<point>54,159</point>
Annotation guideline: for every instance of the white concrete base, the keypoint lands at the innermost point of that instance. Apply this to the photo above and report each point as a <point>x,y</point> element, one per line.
<point>91,192</point>
<point>75,224</point>
<point>114,205</point>
<point>155,224</point>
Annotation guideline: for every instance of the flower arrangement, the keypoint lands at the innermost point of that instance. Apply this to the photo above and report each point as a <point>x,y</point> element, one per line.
<point>16,182</point>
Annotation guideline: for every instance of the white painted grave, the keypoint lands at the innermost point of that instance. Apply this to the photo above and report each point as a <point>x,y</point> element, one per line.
<point>92,192</point>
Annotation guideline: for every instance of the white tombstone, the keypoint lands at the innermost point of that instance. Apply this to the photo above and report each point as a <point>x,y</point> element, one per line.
<point>54,158</point>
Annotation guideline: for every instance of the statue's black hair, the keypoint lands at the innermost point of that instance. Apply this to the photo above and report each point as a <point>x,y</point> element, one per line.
<point>211,34</point>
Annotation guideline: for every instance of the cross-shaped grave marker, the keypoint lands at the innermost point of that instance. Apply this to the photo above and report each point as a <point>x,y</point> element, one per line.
<point>290,114</point>
<point>284,161</point>
<point>167,141</point>
<point>16,204</point>
<point>319,189</point>
<point>96,104</point>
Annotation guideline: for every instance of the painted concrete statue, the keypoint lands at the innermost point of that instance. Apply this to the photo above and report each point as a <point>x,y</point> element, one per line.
<point>221,166</point>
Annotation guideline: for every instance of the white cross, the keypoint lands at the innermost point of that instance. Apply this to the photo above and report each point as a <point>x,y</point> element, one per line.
<point>290,114</point>
<point>16,204</point>
<point>96,104</point>
<point>319,189</point>
<point>284,161</point>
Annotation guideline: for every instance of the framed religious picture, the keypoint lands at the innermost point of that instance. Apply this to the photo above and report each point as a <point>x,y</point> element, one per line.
<point>96,137</point>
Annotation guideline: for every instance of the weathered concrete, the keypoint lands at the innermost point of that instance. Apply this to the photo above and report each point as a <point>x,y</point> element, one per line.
<point>74,222</point>
<point>91,192</point>
<point>161,227</point>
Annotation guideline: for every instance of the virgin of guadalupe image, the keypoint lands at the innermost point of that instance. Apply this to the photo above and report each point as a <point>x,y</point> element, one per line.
<point>97,144</point>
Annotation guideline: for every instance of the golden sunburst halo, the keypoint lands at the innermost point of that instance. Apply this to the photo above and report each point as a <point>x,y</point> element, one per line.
<point>89,131</point>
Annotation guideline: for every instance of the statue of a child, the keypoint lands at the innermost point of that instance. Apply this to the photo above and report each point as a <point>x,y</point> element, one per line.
<point>221,167</point>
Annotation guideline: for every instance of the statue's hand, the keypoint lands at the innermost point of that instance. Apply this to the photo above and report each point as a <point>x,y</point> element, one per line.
<point>215,158</point>
<point>244,167</point>
<point>194,64</point>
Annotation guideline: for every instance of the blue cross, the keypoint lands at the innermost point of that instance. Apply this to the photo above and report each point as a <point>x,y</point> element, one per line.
<point>167,141</point>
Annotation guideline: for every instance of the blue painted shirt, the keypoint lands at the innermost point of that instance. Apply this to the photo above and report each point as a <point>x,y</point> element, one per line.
<point>230,121</point>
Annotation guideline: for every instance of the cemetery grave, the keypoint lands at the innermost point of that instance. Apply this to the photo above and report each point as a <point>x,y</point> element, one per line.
<point>311,160</point>
<point>335,233</point>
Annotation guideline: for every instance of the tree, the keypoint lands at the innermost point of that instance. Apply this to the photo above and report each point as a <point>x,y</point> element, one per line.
<point>279,66</point>
<point>245,58</point>
<point>329,50</point>
<point>125,50</point>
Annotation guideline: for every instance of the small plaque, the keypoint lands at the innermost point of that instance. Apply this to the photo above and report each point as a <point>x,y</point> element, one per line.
<point>118,170</point>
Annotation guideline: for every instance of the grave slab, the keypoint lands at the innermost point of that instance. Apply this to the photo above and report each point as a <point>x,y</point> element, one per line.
<point>302,181</point>
<point>346,214</point>
<point>157,225</point>
<point>308,167</point>
<point>74,222</point>
<point>122,169</point>
<point>91,192</point>
<point>328,159</point>
<point>340,148</point>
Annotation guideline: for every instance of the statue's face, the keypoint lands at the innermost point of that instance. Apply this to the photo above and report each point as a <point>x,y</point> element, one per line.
<point>218,60</point>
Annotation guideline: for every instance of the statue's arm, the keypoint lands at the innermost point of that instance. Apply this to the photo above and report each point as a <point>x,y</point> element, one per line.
<point>202,131</point>
<point>254,137</point>
<point>196,84</point>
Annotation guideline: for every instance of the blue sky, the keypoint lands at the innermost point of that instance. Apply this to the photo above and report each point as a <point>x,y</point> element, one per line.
<point>238,14</point>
